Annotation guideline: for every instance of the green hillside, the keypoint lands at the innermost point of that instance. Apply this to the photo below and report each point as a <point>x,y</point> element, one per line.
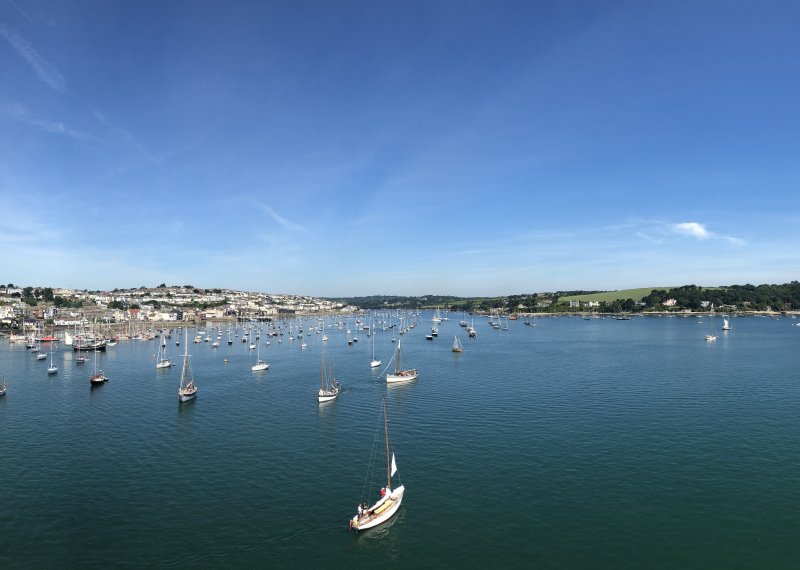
<point>635,294</point>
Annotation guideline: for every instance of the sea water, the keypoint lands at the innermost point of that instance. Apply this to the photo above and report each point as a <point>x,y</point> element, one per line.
<point>573,444</point>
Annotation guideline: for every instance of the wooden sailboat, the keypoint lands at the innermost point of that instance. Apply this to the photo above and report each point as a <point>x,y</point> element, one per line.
<point>187,389</point>
<point>327,390</point>
<point>387,505</point>
<point>457,345</point>
<point>399,374</point>
<point>97,377</point>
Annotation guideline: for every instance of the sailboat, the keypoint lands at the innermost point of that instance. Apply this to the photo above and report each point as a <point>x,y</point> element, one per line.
<point>711,337</point>
<point>401,375</point>
<point>375,362</point>
<point>457,345</point>
<point>387,505</point>
<point>327,391</point>
<point>3,388</point>
<point>53,368</point>
<point>97,377</point>
<point>260,364</point>
<point>187,389</point>
<point>726,325</point>
<point>163,361</point>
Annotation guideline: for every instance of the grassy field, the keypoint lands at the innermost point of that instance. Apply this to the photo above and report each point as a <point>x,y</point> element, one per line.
<point>635,294</point>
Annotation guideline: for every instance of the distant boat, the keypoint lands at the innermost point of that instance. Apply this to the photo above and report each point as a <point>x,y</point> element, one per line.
<point>401,375</point>
<point>97,377</point>
<point>375,362</point>
<point>3,388</point>
<point>53,368</point>
<point>457,345</point>
<point>260,364</point>
<point>726,326</point>
<point>187,390</point>
<point>710,337</point>
<point>385,507</point>
<point>162,360</point>
<point>328,387</point>
<point>41,356</point>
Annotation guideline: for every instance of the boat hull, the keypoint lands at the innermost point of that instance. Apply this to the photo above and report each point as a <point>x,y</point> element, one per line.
<point>186,397</point>
<point>406,376</point>
<point>89,346</point>
<point>359,523</point>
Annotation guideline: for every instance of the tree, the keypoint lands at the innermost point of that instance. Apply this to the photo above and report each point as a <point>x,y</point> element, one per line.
<point>47,294</point>
<point>162,286</point>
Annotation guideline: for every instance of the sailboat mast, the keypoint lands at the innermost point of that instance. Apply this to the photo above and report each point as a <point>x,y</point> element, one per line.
<point>386,431</point>
<point>322,376</point>
<point>398,357</point>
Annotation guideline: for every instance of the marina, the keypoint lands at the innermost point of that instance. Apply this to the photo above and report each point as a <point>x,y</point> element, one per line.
<point>621,439</point>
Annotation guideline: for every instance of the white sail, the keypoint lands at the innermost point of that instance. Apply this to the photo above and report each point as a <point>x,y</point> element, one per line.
<point>394,466</point>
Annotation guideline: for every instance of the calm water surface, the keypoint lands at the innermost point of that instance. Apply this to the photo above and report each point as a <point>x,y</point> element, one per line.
<point>574,444</point>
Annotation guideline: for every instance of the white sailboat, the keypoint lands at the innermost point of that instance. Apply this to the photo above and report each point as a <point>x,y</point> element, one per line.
<point>327,390</point>
<point>260,364</point>
<point>726,325</point>
<point>53,368</point>
<point>399,374</point>
<point>711,337</point>
<point>387,505</point>
<point>187,390</point>
<point>457,345</point>
<point>375,362</point>
<point>162,361</point>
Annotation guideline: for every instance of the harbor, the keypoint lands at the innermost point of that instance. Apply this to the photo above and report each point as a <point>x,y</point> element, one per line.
<point>530,438</point>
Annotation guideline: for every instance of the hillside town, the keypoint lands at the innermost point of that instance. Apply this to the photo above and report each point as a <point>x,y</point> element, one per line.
<point>60,307</point>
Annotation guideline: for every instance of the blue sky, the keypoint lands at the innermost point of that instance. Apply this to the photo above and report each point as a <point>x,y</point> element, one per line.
<point>352,148</point>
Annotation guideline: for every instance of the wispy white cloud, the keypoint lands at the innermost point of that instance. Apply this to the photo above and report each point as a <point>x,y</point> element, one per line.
<point>691,229</point>
<point>649,238</point>
<point>21,11</point>
<point>18,113</point>
<point>129,138</point>
<point>44,69</point>
<point>283,222</point>
<point>699,231</point>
